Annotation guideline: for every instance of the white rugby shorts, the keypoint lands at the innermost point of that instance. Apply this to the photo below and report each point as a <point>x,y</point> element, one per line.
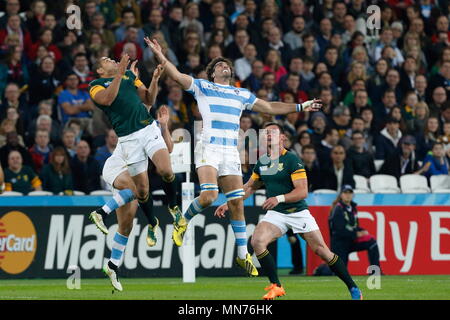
<point>299,222</point>
<point>225,160</point>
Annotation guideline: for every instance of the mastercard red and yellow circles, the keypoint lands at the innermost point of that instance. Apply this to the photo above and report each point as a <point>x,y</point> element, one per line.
<point>18,242</point>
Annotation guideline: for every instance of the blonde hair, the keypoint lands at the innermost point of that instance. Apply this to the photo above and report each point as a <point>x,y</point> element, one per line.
<point>411,35</point>
<point>357,50</point>
<point>352,76</point>
<point>421,104</point>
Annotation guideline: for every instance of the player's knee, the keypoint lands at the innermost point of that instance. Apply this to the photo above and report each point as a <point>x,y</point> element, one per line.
<point>207,198</point>
<point>258,243</point>
<point>141,194</point>
<point>166,174</point>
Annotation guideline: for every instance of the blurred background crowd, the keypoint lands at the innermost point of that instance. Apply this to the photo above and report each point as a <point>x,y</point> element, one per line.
<point>384,90</point>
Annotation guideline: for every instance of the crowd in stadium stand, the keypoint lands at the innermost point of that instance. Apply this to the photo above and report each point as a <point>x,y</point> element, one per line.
<point>385,91</point>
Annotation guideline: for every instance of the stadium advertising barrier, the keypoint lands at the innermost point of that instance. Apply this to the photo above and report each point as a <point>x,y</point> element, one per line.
<point>40,237</point>
<point>43,242</point>
<point>413,233</point>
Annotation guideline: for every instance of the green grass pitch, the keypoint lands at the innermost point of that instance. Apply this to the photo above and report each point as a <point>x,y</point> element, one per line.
<point>228,288</point>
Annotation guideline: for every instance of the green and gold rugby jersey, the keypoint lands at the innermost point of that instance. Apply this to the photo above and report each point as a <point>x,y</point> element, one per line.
<point>289,169</point>
<point>127,113</point>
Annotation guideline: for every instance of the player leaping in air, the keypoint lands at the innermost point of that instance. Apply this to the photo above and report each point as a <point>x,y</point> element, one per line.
<point>216,155</point>
<point>124,99</point>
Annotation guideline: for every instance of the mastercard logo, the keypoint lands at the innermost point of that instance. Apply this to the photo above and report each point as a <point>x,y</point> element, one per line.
<point>18,242</point>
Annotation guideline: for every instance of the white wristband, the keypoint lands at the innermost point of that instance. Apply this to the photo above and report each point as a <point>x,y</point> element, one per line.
<point>299,107</point>
<point>280,198</point>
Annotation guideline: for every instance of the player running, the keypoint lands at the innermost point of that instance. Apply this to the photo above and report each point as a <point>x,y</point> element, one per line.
<point>123,97</point>
<point>284,177</point>
<point>116,175</point>
<point>216,155</point>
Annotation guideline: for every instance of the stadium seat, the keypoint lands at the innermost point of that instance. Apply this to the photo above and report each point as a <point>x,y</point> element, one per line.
<point>158,196</point>
<point>11,194</point>
<point>260,197</point>
<point>40,193</point>
<point>324,191</point>
<point>414,183</point>
<point>78,193</point>
<point>101,193</point>
<point>383,183</point>
<point>361,184</point>
<point>378,164</point>
<point>440,183</point>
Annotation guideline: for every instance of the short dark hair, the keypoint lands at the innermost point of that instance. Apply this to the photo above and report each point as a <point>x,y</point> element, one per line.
<point>357,132</point>
<point>308,146</point>
<point>280,127</point>
<point>211,66</point>
<point>127,10</point>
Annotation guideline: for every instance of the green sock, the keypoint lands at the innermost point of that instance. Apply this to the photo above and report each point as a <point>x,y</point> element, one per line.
<point>170,189</point>
<point>147,207</point>
<point>268,265</point>
<point>338,267</point>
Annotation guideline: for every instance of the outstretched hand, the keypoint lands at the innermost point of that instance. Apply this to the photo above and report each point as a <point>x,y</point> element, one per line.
<point>159,70</point>
<point>312,105</point>
<point>123,64</point>
<point>156,49</point>
<point>221,210</point>
<point>163,115</point>
<point>134,69</point>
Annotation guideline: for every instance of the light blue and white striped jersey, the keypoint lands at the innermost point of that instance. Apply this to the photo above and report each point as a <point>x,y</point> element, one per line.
<point>221,107</point>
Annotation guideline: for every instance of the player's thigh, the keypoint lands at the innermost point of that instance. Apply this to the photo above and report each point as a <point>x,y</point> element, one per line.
<point>161,160</point>
<point>317,244</point>
<point>142,184</point>
<point>231,183</point>
<point>125,216</point>
<point>265,233</point>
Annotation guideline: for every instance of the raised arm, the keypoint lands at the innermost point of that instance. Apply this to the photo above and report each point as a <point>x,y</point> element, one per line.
<point>276,108</point>
<point>163,119</point>
<point>182,79</point>
<point>148,96</point>
<point>106,97</point>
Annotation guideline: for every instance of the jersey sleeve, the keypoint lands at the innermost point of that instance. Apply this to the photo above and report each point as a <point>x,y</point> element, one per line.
<point>297,169</point>
<point>94,88</point>
<point>256,174</point>
<point>195,87</point>
<point>248,105</point>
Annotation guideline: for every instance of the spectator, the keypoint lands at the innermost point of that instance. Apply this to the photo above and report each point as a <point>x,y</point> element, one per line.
<point>345,233</point>
<point>275,42</point>
<point>331,59</point>
<point>293,86</point>
<point>429,136</point>
<point>98,27</point>
<point>439,98</point>
<point>46,123</point>
<point>14,70</point>
<point>85,169</point>
<point>69,142</point>
<point>122,5</point>
<point>318,127</point>
<point>312,167</point>
<point>341,120</point>
<point>309,50</point>
<point>41,149</point>
<point>13,27</point>
<point>12,8</point>
<point>303,139</point>
<point>340,172</point>
<point>294,37</point>
<point>403,160</point>
<point>420,88</point>
<point>14,142</point>
<point>9,126</point>
<point>75,103</point>
<point>155,23</point>
<point>43,82</point>
<point>330,140</point>
<point>386,39</point>
<point>269,85</point>
<point>378,79</point>
<point>420,113</point>
<point>20,178</point>
<point>243,65</point>
<point>129,21</point>
<point>388,139</point>
<point>131,36</point>
<point>81,69</point>
<point>254,81</point>
<point>436,162</point>
<point>190,19</point>
<point>388,102</point>
<point>408,74</point>
<point>361,101</point>
<point>46,40</point>
<point>56,176</point>
<point>12,100</point>
<point>104,152</point>
<point>359,157</point>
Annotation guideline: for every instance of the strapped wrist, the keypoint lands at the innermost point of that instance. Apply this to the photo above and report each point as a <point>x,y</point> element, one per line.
<point>281,198</point>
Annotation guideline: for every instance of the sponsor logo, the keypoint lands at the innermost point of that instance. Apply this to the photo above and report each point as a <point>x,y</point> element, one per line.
<point>18,242</point>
